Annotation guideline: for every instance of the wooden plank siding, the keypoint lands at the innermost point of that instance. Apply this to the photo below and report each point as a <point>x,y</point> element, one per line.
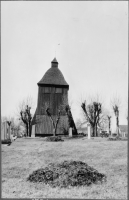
<point>44,124</point>
<point>54,101</point>
<point>54,98</point>
<point>52,94</point>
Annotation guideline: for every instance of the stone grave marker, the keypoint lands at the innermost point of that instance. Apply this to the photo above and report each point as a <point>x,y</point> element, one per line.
<point>70,132</point>
<point>88,131</point>
<point>33,131</point>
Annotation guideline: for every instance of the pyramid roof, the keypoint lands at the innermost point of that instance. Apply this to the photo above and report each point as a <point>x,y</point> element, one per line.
<point>53,76</point>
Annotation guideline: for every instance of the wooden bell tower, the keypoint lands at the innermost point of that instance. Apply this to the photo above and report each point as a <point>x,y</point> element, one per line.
<point>52,94</point>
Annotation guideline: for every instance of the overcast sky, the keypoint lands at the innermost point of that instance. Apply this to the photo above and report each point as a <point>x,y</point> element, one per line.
<point>92,55</point>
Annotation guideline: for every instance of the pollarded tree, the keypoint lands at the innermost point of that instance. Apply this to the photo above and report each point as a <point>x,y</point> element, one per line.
<point>116,107</point>
<point>24,114</point>
<point>26,118</point>
<point>116,112</point>
<point>92,113</point>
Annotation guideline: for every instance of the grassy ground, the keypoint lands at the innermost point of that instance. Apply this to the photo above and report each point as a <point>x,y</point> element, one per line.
<point>26,155</point>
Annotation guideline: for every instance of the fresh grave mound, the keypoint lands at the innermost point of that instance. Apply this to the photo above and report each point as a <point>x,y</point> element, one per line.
<point>67,173</point>
<point>53,139</point>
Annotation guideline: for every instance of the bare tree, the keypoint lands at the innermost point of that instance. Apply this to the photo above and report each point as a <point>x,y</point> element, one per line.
<point>115,103</point>
<point>25,115</point>
<point>92,113</point>
<point>116,111</point>
<point>52,120</point>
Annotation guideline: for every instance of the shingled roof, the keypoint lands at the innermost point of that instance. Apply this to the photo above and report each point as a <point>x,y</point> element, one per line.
<point>53,76</point>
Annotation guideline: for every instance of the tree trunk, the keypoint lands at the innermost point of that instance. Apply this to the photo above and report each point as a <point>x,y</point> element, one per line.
<point>54,126</point>
<point>96,131</point>
<point>27,130</point>
<point>55,129</point>
<point>54,132</point>
<point>30,129</point>
<point>117,124</point>
<point>110,127</point>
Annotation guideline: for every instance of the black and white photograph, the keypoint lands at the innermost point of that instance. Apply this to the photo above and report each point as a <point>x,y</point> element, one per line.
<point>64,99</point>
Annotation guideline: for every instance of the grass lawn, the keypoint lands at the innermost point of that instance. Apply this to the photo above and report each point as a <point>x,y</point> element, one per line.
<point>25,155</point>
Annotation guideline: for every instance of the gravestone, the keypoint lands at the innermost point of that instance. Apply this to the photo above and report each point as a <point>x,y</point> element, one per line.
<point>70,132</point>
<point>88,131</point>
<point>33,131</point>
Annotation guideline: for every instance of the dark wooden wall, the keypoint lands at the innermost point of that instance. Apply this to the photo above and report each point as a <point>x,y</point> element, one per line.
<point>44,125</point>
<point>55,98</point>
<point>51,99</point>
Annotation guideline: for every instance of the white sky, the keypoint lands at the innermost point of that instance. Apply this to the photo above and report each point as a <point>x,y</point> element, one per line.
<point>92,55</point>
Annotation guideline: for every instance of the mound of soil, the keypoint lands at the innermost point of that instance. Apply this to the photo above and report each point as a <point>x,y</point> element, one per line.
<point>67,173</point>
<point>53,139</point>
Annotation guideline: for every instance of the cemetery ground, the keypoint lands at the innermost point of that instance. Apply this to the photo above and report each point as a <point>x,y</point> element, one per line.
<point>26,155</point>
